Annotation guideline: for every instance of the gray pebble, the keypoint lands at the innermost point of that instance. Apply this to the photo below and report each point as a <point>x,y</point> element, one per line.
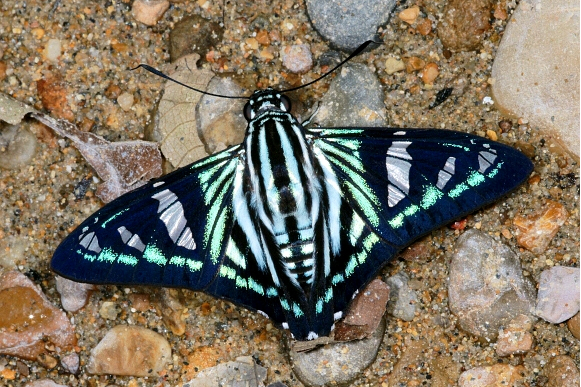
<point>486,287</point>
<point>338,363</point>
<point>355,98</point>
<point>558,298</point>
<point>220,120</point>
<point>403,301</point>
<point>74,295</point>
<point>349,23</point>
<point>297,58</point>
<point>71,363</point>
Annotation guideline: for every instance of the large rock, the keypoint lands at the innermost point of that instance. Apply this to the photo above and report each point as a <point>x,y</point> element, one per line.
<point>536,70</point>
<point>487,288</point>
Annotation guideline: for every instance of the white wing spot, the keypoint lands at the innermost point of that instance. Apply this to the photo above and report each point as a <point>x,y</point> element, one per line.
<point>446,173</point>
<point>90,242</point>
<point>485,159</point>
<point>398,172</point>
<point>136,243</point>
<point>172,215</point>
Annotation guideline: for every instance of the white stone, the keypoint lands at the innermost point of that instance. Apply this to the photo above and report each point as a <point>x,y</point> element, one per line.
<point>52,51</point>
<point>125,101</point>
<point>536,70</point>
<point>558,297</point>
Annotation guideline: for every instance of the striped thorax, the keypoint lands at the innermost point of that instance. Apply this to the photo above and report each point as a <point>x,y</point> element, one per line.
<point>289,196</point>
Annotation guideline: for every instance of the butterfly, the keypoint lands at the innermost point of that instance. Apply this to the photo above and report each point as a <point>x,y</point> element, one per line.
<point>293,221</point>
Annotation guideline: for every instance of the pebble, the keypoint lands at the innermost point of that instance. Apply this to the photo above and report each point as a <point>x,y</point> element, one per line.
<point>33,322</point>
<point>430,73</point>
<point>74,295</point>
<point>535,232</point>
<point>109,310</point>
<point>515,338</point>
<point>148,12</point>
<point>410,15</point>
<point>339,363</point>
<point>393,65</point>
<point>193,34</point>
<point>239,373</point>
<point>43,383</point>
<point>349,23</point>
<point>354,98</point>
<point>486,286</point>
<point>562,371</point>
<point>125,101</point>
<point>52,51</point>
<point>71,362</point>
<point>53,93</point>
<point>365,313</point>
<point>558,297</point>
<point>424,26</point>
<point>464,24</point>
<point>297,58</point>
<point>536,69</point>
<point>221,120</point>
<point>139,301</point>
<point>403,301</point>
<point>414,63</point>
<point>172,310</point>
<point>130,351</point>
<point>491,376</point>
<point>573,325</point>
<point>17,146</point>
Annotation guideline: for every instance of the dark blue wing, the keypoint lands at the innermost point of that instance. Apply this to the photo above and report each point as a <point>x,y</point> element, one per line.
<point>398,185</point>
<point>406,182</point>
<point>178,231</point>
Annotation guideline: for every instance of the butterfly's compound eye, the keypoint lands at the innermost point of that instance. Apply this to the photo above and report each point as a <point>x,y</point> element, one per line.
<point>248,114</point>
<point>285,103</point>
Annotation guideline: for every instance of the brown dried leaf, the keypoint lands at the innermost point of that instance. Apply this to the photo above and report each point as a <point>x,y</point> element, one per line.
<point>123,166</point>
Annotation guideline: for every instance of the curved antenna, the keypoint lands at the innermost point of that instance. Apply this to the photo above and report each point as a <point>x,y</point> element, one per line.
<point>358,51</point>
<point>160,74</point>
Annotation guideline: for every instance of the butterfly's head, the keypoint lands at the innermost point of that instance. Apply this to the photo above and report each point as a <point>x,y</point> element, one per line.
<point>263,100</point>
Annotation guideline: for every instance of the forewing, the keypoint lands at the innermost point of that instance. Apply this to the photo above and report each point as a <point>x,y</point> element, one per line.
<point>171,232</point>
<point>405,183</point>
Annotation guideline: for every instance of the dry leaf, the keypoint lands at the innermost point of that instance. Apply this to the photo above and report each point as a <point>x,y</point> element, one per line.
<point>176,119</point>
<point>123,166</point>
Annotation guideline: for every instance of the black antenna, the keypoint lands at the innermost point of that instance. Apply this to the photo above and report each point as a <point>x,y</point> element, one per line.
<point>160,74</point>
<point>358,51</point>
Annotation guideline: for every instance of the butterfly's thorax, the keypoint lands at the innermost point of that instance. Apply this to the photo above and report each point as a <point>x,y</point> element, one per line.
<point>285,188</point>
